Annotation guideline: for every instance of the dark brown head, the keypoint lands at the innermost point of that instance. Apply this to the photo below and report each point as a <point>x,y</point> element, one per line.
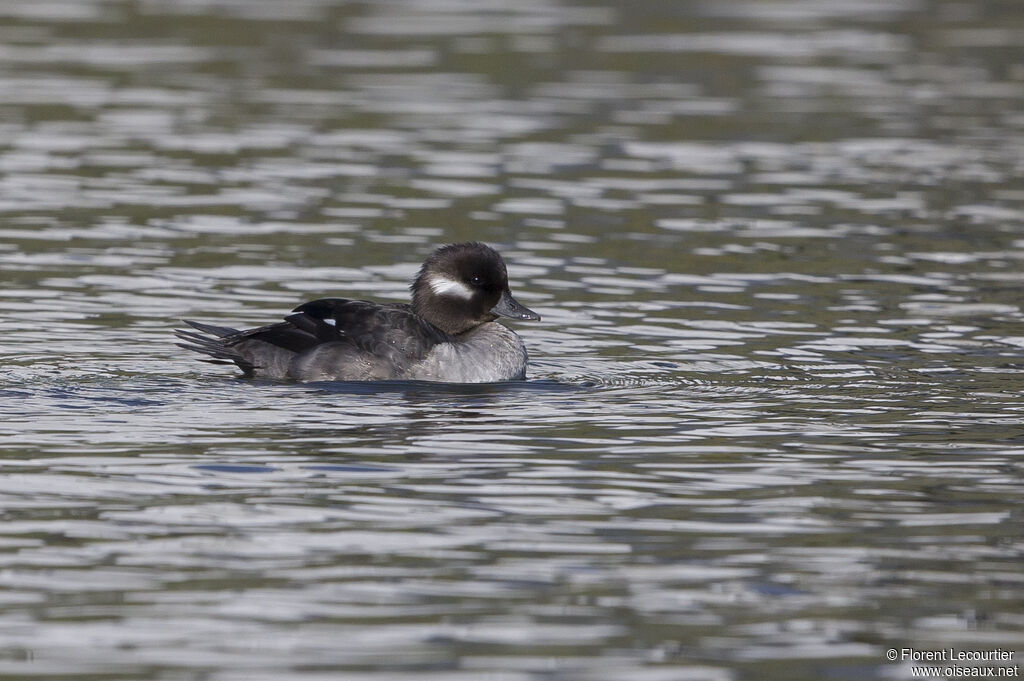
<point>461,286</point>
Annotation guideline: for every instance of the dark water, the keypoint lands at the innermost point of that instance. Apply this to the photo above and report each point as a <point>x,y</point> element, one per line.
<point>773,426</point>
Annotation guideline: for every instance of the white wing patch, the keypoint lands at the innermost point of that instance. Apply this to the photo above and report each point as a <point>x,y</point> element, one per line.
<point>330,320</point>
<point>443,286</point>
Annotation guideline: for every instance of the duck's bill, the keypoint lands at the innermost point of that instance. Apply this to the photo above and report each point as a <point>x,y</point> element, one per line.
<point>513,309</point>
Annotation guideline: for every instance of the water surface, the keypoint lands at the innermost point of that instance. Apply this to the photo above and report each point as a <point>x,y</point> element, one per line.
<point>773,421</point>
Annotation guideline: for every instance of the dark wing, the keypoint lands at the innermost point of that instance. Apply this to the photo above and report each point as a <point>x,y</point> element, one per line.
<point>221,339</point>
<point>380,330</point>
<point>386,338</point>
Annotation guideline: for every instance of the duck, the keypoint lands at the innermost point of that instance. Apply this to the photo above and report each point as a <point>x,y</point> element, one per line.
<point>448,333</point>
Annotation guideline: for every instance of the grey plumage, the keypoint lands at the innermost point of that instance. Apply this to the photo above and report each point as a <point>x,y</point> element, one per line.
<point>447,334</point>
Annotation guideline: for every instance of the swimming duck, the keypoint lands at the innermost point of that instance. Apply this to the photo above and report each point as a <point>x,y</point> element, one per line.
<point>447,334</point>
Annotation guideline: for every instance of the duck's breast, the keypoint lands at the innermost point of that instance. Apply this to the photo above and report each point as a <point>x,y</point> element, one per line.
<point>489,353</point>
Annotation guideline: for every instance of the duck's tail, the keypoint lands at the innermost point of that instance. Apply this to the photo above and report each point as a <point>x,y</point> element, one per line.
<point>217,343</point>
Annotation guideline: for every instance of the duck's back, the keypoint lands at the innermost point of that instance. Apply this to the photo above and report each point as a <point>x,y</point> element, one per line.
<point>361,341</point>
<point>331,339</point>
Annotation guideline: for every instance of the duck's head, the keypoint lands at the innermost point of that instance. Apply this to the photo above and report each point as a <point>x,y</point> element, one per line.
<point>461,286</point>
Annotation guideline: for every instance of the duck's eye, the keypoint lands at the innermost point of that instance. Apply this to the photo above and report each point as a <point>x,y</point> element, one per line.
<point>476,281</point>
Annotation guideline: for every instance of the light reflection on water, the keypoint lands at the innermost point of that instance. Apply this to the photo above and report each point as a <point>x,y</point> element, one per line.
<point>772,426</point>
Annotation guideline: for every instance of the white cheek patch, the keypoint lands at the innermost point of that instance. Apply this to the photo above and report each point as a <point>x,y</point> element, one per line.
<point>443,286</point>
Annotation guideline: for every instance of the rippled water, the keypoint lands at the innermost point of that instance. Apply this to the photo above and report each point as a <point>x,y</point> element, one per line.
<point>773,425</point>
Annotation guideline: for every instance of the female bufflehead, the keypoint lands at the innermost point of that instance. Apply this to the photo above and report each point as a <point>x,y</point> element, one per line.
<point>447,334</point>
